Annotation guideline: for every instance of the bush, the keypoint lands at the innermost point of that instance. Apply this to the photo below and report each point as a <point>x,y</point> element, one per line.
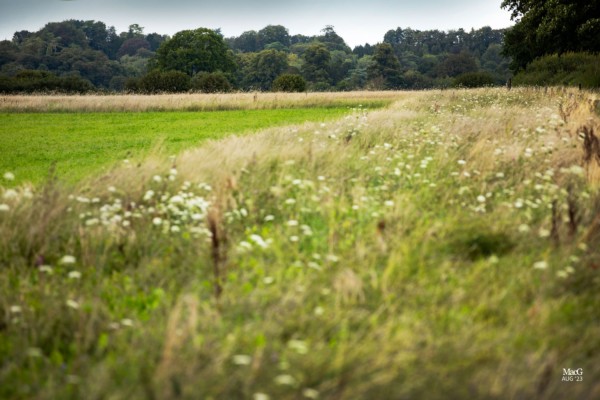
<point>289,83</point>
<point>211,82</point>
<point>34,81</point>
<point>474,79</point>
<point>566,69</point>
<point>164,82</point>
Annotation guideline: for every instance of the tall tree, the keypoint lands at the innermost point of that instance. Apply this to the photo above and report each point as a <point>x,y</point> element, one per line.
<point>193,51</point>
<point>386,67</point>
<point>547,27</point>
<point>316,63</point>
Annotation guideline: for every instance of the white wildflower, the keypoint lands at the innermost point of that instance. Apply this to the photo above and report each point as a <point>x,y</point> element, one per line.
<point>157,221</point>
<point>242,359</point>
<point>9,176</point>
<point>310,393</point>
<point>74,275</point>
<point>72,304</point>
<point>4,208</point>
<point>540,265</point>
<point>67,260</point>
<point>285,380</point>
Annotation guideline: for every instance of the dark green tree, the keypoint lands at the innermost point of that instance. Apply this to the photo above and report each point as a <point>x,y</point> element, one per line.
<point>193,51</point>
<point>316,64</point>
<point>273,33</point>
<point>258,70</point>
<point>289,83</point>
<point>385,70</point>
<point>548,27</point>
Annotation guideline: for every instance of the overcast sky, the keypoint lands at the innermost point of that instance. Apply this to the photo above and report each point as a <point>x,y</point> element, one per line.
<point>356,21</point>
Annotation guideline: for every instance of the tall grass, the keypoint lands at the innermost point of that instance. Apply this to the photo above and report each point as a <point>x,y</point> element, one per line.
<point>421,251</point>
<point>190,102</point>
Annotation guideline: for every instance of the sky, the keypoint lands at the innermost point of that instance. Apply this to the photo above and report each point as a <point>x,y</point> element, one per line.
<point>358,22</point>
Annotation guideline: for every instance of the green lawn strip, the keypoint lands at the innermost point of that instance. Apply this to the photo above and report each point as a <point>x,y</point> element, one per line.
<point>81,144</point>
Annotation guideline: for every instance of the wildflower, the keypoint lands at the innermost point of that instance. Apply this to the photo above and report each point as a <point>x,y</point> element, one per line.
<point>112,189</point>
<point>157,221</point>
<point>332,258</point>
<point>175,229</point>
<point>292,222</point>
<point>524,228</point>
<point>242,359</point>
<point>9,176</point>
<point>10,194</point>
<point>15,309</point>
<point>259,241</point>
<point>244,246</point>
<point>290,201</point>
<point>269,218</point>
<point>481,199</point>
<point>157,178</point>
<point>544,233</point>
<point>149,194</point>
<point>4,208</point>
<point>389,203</point>
<point>176,200</point>
<point>72,304</point>
<point>294,238</point>
<point>127,322</point>
<point>540,265</point>
<point>74,275</point>
<point>268,280</point>
<point>92,222</point>
<point>461,162</point>
<point>319,311</point>
<point>310,393</point>
<point>299,346</point>
<point>66,260</point>
<point>46,269</point>
<point>260,396</point>
<point>285,380</point>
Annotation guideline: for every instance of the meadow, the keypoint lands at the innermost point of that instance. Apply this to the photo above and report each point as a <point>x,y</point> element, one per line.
<point>444,246</point>
<point>74,145</point>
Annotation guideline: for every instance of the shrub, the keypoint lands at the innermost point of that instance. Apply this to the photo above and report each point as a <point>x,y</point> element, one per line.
<point>474,79</point>
<point>34,81</point>
<point>566,69</point>
<point>211,82</point>
<point>164,82</point>
<point>289,83</point>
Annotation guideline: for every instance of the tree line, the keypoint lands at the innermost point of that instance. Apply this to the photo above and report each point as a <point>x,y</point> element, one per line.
<point>76,55</point>
<point>82,56</point>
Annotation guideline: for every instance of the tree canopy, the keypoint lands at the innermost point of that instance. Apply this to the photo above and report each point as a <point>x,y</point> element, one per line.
<point>192,51</point>
<point>551,27</point>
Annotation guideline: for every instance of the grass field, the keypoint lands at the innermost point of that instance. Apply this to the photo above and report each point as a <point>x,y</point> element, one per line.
<point>444,247</point>
<point>81,143</point>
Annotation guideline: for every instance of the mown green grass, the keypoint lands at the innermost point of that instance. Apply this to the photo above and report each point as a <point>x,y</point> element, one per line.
<point>421,252</point>
<point>79,144</point>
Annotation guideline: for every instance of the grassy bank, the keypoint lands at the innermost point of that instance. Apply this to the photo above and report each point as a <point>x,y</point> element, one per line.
<point>444,247</point>
<point>81,143</point>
